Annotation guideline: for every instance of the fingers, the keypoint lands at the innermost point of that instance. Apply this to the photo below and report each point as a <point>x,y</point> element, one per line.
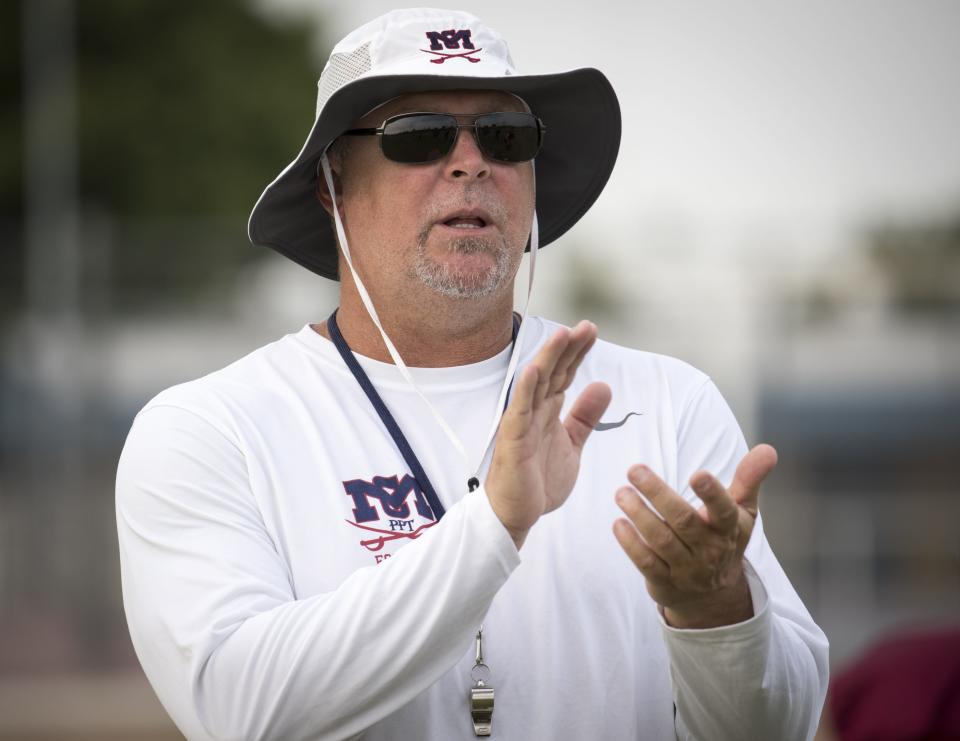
<point>572,370</point>
<point>546,362</point>
<point>560,357</point>
<point>656,533</point>
<point>548,375</point>
<point>582,338</point>
<point>720,508</point>
<point>650,565</point>
<point>752,470</point>
<point>724,514</point>
<point>586,412</point>
<point>518,418</point>
<point>679,515</point>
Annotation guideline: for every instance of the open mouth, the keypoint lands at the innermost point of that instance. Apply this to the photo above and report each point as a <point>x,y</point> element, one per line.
<point>467,219</point>
<point>465,222</point>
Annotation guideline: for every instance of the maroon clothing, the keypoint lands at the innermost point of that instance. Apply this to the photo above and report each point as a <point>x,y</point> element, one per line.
<point>905,688</point>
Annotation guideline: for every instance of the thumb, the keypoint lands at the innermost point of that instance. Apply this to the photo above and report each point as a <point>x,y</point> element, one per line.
<point>586,412</point>
<point>752,470</point>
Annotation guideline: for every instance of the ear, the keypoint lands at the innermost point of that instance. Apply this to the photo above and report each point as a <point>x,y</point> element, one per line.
<point>323,192</point>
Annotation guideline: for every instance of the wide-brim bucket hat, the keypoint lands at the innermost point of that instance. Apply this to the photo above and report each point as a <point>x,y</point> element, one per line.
<point>425,49</point>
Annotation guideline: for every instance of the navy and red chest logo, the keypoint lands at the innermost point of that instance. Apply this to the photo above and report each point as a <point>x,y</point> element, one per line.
<point>451,40</point>
<point>387,509</point>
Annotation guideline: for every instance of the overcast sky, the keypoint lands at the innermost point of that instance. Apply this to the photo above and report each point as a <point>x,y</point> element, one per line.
<point>803,117</point>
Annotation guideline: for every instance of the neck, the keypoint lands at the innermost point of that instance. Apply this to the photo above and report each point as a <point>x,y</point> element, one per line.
<point>465,331</point>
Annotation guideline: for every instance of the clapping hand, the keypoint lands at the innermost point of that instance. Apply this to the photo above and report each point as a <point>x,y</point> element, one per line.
<point>691,558</point>
<point>537,457</point>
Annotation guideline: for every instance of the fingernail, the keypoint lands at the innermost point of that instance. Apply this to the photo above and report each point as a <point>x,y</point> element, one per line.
<point>639,473</point>
<point>702,485</point>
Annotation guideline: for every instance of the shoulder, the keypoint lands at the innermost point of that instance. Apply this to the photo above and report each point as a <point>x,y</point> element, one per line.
<point>242,390</point>
<point>626,368</point>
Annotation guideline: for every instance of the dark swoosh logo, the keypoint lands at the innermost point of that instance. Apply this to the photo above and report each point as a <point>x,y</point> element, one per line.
<point>601,426</point>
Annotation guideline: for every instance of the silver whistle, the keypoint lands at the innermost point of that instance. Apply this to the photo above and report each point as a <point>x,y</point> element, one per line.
<point>481,694</point>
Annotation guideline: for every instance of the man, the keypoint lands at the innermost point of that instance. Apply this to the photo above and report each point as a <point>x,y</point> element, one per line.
<point>312,537</point>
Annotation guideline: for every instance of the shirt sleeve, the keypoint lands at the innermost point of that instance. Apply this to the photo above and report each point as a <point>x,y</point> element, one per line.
<point>767,676</point>
<point>227,646</point>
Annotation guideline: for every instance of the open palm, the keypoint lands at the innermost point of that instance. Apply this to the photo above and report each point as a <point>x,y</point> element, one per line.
<point>537,457</point>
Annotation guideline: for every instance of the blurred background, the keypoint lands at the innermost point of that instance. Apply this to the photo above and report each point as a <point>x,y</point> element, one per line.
<point>785,214</point>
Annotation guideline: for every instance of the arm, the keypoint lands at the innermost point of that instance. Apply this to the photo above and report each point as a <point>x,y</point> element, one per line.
<point>762,678</point>
<point>747,661</point>
<point>230,650</point>
<point>226,644</point>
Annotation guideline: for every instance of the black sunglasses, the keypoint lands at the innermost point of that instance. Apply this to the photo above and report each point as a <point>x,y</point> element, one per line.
<point>427,137</point>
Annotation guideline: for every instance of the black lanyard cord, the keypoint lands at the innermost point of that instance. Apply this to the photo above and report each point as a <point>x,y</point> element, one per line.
<point>387,418</point>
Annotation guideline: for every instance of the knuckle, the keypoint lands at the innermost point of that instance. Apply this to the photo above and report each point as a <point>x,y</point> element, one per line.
<point>641,559</point>
<point>686,520</point>
<point>627,536</point>
<point>647,562</point>
<point>661,537</point>
<point>659,592</point>
<point>627,501</point>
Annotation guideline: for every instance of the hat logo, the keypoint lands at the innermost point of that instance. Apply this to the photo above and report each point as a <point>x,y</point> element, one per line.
<point>451,39</point>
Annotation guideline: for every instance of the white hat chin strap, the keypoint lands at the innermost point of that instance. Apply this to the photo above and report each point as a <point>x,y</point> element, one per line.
<point>472,469</point>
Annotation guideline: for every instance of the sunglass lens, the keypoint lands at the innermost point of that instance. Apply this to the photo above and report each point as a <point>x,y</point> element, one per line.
<point>509,137</point>
<point>418,138</point>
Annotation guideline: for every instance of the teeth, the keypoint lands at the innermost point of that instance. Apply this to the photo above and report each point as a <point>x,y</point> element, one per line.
<point>465,222</point>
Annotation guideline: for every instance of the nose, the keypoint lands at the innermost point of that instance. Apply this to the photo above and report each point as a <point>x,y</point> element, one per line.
<point>465,160</point>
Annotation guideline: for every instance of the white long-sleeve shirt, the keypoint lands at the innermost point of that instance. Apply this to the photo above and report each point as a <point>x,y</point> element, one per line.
<point>284,578</point>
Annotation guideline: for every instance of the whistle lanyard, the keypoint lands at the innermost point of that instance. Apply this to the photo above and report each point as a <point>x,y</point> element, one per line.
<point>399,439</point>
<point>481,694</point>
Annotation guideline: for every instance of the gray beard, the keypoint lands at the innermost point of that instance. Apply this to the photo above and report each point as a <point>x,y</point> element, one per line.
<point>439,278</point>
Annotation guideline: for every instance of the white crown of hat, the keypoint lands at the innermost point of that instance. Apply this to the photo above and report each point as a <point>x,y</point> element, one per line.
<point>454,43</point>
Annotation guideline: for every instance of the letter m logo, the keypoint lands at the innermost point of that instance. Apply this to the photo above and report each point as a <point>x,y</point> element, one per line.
<point>450,39</point>
<point>390,493</point>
